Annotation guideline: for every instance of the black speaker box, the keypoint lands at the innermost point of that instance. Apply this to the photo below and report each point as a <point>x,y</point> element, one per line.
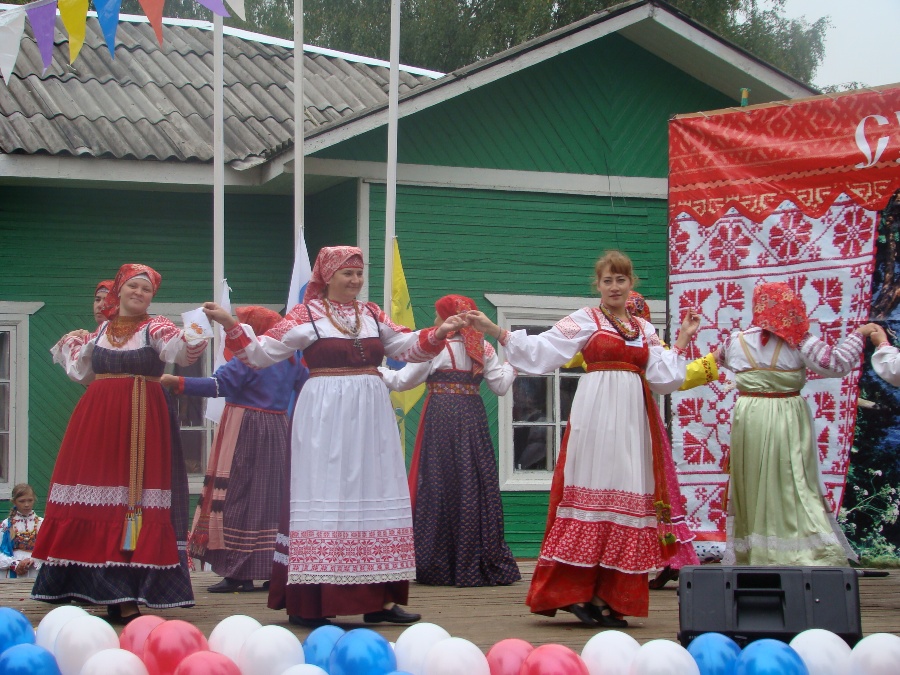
<point>750,603</point>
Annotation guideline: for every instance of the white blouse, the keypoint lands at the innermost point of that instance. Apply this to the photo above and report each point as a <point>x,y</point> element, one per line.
<point>813,354</point>
<point>886,364</point>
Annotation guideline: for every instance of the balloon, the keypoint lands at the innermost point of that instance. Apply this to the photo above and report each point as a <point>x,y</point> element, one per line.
<point>79,639</point>
<point>114,662</point>
<point>134,635</point>
<point>318,645</point>
<point>456,656</point>
<point>876,654</point>
<point>414,643</point>
<point>393,672</point>
<point>28,659</point>
<point>269,650</point>
<point>553,660</point>
<point>207,663</point>
<point>769,657</point>
<point>229,635</point>
<point>305,669</point>
<point>506,657</point>
<point>715,654</point>
<point>169,644</point>
<point>55,619</point>
<point>15,629</point>
<point>823,652</point>
<point>663,657</point>
<point>610,653</point>
<point>361,652</point>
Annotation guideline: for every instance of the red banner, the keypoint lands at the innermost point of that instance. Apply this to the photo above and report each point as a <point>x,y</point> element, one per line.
<point>807,152</point>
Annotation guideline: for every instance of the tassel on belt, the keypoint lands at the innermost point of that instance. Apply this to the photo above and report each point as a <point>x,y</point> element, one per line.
<point>465,388</point>
<point>133,516</point>
<point>769,394</point>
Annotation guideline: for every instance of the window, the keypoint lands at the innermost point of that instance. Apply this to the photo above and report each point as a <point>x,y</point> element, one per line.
<point>14,374</point>
<point>533,415</point>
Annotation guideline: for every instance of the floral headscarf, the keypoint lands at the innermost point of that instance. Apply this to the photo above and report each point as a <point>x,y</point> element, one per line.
<point>450,305</point>
<point>330,260</point>
<point>128,271</point>
<point>777,309</point>
<point>260,319</point>
<point>105,285</point>
<point>637,305</point>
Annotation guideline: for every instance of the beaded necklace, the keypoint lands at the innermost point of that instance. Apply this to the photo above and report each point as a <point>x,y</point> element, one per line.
<point>121,328</point>
<point>343,326</point>
<point>629,332</point>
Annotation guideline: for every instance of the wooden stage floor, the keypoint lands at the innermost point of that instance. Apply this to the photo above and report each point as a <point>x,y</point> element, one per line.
<point>482,615</point>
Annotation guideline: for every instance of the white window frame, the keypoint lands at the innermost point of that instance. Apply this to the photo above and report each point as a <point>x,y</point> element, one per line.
<point>15,316</point>
<point>536,310</point>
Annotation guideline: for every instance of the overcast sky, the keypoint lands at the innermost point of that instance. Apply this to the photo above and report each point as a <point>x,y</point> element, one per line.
<point>862,43</point>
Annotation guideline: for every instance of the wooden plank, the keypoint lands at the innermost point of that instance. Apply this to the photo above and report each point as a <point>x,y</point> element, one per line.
<point>482,615</point>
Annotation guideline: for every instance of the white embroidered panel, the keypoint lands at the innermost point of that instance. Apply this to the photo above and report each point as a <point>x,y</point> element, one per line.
<point>107,495</point>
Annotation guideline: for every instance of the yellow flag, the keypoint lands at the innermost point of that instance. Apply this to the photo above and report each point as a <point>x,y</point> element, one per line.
<point>74,16</point>
<point>401,313</point>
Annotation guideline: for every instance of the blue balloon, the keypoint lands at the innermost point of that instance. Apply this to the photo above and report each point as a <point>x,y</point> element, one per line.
<point>362,652</point>
<point>399,672</point>
<point>769,657</point>
<point>28,659</point>
<point>318,645</point>
<point>715,654</point>
<point>15,629</point>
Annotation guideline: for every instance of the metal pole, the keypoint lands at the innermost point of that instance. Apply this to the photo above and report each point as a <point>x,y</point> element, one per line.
<point>391,187</point>
<point>218,161</point>
<point>299,117</point>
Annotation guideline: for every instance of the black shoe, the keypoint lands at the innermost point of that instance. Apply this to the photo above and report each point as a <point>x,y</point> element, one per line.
<point>582,613</point>
<point>395,614</point>
<point>665,575</point>
<point>265,586</point>
<point>308,623</point>
<point>114,615</point>
<point>605,617</point>
<point>232,586</point>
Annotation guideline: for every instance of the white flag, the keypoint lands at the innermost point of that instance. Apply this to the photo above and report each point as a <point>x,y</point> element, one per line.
<point>216,406</point>
<point>300,276</point>
<point>12,25</point>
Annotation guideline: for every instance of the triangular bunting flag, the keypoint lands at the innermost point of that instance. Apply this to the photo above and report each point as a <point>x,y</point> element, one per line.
<point>74,16</point>
<point>217,7</point>
<point>238,7</point>
<point>154,9</point>
<point>12,25</point>
<point>108,16</point>
<point>43,23</point>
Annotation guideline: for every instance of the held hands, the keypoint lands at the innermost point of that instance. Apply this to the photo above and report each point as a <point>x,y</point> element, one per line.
<point>481,323</point>
<point>874,332</point>
<point>216,313</point>
<point>452,323</point>
<point>81,334</point>
<point>170,382</point>
<point>23,565</point>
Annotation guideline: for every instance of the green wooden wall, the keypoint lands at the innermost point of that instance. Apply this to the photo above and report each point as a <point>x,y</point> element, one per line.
<point>58,243</point>
<point>599,109</point>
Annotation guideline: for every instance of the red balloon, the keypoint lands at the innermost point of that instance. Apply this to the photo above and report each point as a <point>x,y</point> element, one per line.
<point>207,663</point>
<point>134,635</point>
<point>506,657</point>
<point>553,660</point>
<point>169,644</point>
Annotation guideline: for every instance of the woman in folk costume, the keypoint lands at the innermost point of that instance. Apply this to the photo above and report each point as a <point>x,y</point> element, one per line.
<point>236,520</point>
<point>780,516</point>
<point>109,534</point>
<point>610,517</point>
<point>18,535</point>
<point>350,544</point>
<point>453,480</point>
<point>100,292</point>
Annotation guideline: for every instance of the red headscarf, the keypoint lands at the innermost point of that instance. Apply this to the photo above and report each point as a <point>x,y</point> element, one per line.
<point>128,271</point>
<point>778,310</point>
<point>473,339</point>
<point>330,260</point>
<point>106,285</point>
<point>260,319</point>
<point>637,305</point>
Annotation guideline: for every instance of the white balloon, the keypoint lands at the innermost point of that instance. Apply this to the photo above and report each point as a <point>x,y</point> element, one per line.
<point>610,653</point>
<point>823,652</point>
<point>663,657</point>
<point>48,628</point>
<point>304,669</point>
<point>456,656</point>
<point>270,649</point>
<point>228,636</point>
<point>414,644</point>
<point>81,638</point>
<point>876,654</point>
<point>113,662</point>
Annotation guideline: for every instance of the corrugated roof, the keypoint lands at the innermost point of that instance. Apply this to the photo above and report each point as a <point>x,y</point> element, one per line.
<point>153,102</point>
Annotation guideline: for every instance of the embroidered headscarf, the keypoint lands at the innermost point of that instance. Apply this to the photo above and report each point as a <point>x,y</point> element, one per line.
<point>450,305</point>
<point>105,285</point>
<point>637,305</point>
<point>128,271</point>
<point>330,260</point>
<point>777,309</point>
<point>260,319</point>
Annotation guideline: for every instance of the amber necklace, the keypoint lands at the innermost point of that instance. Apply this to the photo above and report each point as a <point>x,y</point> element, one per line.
<point>342,324</point>
<point>121,328</point>
<point>628,332</point>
